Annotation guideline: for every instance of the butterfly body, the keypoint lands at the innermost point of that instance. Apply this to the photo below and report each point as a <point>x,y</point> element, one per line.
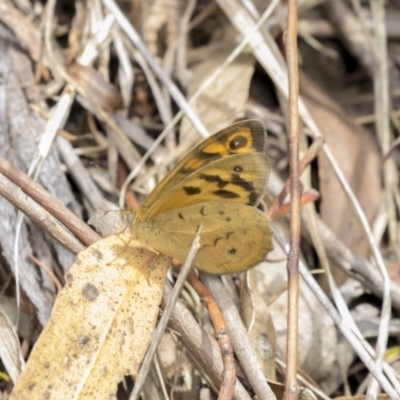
<point>218,185</point>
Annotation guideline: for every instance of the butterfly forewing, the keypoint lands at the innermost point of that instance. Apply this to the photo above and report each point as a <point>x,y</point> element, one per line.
<point>233,238</point>
<point>245,137</point>
<point>240,178</point>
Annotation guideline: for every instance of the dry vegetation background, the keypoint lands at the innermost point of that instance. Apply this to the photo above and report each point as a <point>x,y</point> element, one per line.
<point>83,97</point>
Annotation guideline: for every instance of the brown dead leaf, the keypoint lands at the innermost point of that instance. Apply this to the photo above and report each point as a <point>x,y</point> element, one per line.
<point>100,325</point>
<point>358,155</point>
<point>317,333</point>
<point>105,93</point>
<point>393,269</point>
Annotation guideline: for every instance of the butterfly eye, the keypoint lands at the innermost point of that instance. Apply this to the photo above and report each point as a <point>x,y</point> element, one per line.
<point>238,169</point>
<point>238,142</point>
<point>232,251</point>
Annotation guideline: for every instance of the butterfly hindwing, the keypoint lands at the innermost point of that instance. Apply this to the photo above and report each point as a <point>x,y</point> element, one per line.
<point>234,237</point>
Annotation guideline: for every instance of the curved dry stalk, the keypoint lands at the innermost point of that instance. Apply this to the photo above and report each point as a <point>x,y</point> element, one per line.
<point>204,350</point>
<point>222,334</point>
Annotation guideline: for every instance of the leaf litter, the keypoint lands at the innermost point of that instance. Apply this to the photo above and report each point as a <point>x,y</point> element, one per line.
<point>112,88</point>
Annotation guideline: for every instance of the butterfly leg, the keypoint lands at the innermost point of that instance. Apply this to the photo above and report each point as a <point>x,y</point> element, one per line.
<point>150,264</point>
<point>126,244</point>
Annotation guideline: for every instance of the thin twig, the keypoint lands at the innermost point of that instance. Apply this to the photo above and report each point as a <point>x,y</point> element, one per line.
<point>311,154</point>
<point>48,202</point>
<point>203,348</point>
<point>38,215</point>
<point>292,389</point>
<point>240,339</point>
<point>47,270</point>
<point>222,333</point>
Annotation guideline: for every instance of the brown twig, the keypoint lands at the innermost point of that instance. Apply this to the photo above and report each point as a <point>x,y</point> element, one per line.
<point>291,386</point>
<point>47,270</point>
<point>240,338</point>
<point>203,349</point>
<point>312,152</point>
<point>307,197</point>
<point>48,202</point>
<point>38,215</point>
<point>224,341</point>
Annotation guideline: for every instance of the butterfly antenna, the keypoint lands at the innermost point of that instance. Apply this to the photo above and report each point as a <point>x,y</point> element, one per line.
<point>115,190</point>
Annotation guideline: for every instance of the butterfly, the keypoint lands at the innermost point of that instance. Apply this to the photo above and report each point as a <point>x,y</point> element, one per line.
<point>218,185</point>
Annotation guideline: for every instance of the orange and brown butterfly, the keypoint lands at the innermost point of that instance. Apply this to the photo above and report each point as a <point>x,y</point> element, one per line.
<point>218,185</point>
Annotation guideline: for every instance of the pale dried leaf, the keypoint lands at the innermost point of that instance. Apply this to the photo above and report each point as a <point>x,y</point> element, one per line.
<point>100,325</point>
<point>255,315</point>
<point>224,101</point>
<point>350,144</point>
<point>317,332</point>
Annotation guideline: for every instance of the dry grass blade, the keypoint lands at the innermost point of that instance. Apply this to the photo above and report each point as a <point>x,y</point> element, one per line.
<point>382,108</point>
<point>173,90</point>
